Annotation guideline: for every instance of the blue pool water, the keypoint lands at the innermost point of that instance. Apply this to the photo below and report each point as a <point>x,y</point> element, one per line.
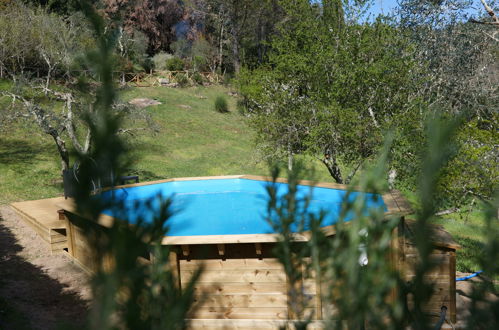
<point>221,206</point>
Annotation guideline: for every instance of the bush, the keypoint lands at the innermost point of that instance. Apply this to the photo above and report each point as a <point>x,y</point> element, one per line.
<point>160,60</point>
<point>148,64</point>
<point>175,64</point>
<point>182,80</point>
<point>221,104</point>
<point>198,78</point>
<point>199,63</point>
<point>242,107</point>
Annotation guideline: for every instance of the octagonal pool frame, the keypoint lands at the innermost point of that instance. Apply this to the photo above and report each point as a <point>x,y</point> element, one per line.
<point>242,280</point>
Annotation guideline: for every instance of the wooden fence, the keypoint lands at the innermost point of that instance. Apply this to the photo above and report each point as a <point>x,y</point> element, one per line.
<point>137,79</point>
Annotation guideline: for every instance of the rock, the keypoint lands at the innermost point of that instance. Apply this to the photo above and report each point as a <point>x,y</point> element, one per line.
<point>142,102</point>
<point>163,81</point>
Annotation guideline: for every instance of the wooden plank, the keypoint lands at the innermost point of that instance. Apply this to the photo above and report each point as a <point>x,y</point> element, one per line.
<point>218,264</point>
<point>245,288</point>
<point>174,266</point>
<point>243,300</point>
<point>239,313</point>
<point>411,249</point>
<point>437,235</point>
<point>227,239</point>
<point>244,324</point>
<point>42,211</point>
<point>452,287</point>
<point>237,276</point>
<point>441,266</point>
<point>58,247</point>
<point>434,279</point>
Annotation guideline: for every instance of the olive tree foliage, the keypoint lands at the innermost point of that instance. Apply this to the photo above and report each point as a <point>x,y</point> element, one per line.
<point>35,41</point>
<point>332,87</point>
<point>32,38</point>
<point>458,73</point>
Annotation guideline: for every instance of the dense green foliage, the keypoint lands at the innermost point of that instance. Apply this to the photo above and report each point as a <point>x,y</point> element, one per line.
<point>174,64</point>
<point>331,90</point>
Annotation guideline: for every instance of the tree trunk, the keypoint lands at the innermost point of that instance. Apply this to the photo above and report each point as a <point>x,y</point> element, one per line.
<point>332,166</point>
<point>235,50</point>
<point>220,47</point>
<point>290,158</point>
<point>47,82</point>
<point>333,169</point>
<point>63,151</point>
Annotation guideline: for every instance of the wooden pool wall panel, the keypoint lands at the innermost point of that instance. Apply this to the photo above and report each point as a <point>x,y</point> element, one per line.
<point>442,276</point>
<point>245,282</point>
<point>240,283</point>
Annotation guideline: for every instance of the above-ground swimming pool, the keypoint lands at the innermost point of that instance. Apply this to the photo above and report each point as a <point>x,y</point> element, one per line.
<point>221,225</point>
<point>226,206</point>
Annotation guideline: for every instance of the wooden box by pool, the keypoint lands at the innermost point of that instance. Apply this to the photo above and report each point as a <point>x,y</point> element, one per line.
<point>244,286</point>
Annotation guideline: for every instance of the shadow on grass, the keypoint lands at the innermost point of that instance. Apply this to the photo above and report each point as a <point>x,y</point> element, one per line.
<point>30,299</point>
<point>15,151</point>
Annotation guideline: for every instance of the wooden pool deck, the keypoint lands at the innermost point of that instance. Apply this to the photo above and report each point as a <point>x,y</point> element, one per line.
<point>42,216</point>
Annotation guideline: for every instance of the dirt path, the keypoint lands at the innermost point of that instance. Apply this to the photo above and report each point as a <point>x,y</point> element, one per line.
<point>37,290</point>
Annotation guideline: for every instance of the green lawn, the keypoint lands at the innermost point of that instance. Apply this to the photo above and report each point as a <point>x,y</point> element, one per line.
<point>468,231</point>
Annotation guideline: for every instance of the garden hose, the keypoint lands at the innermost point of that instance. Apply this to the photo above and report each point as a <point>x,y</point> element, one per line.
<point>464,278</point>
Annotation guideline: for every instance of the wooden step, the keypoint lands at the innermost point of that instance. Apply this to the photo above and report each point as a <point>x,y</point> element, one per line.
<point>42,216</point>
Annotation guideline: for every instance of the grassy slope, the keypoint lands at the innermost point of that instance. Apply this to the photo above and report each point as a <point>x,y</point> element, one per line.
<point>192,141</point>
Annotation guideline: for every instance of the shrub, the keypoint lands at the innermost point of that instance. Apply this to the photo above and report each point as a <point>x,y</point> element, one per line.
<point>148,64</point>
<point>241,106</point>
<point>160,60</point>
<point>198,78</point>
<point>182,79</point>
<point>199,63</point>
<point>221,104</point>
<point>175,64</point>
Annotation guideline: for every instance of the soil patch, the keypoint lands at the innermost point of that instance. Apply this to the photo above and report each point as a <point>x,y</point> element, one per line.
<point>38,290</point>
